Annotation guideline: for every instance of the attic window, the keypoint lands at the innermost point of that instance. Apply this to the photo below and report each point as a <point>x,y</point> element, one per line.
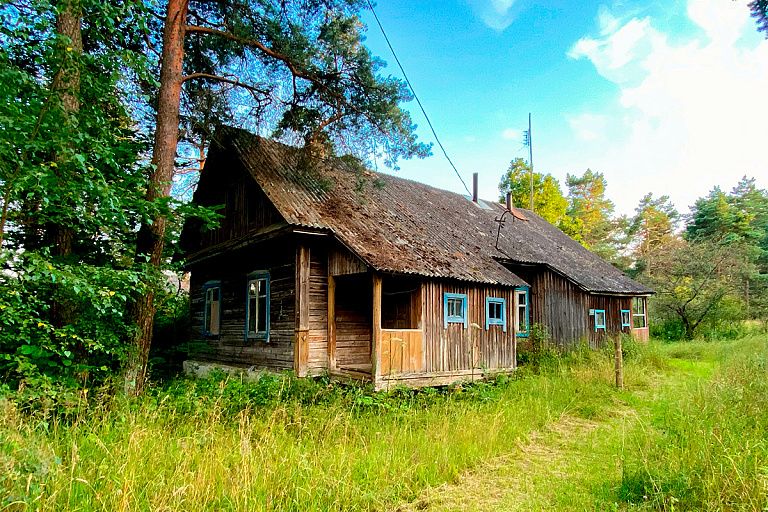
<point>455,308</point>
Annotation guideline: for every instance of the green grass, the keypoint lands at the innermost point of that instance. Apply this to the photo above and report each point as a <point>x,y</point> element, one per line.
<point>689,431</point>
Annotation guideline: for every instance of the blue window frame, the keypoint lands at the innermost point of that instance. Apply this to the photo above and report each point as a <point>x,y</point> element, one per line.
<point>522,311</point>
<point>257,306</point>
<point>212,309</point>
<point>599,319</point>
<point>455,308</point>
<point>495,312</point>
<point>626,318</point>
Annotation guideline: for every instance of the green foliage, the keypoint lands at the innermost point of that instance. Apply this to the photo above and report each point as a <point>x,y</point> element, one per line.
<point>277,443</point>
<point>695,285</point>
<point>588,205</point>
<point>703,446</point>
<point>759,10</point>
<point>38,357</point>
<point>687,433</point>
<point>653,231</point>
<point>548,200</point>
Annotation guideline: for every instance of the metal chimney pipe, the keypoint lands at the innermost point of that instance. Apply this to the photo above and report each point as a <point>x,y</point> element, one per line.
<point>509,201</point>
<point>474,187</point>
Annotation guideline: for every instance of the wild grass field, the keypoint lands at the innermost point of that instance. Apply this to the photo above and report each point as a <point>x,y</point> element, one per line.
<point>688,432</point>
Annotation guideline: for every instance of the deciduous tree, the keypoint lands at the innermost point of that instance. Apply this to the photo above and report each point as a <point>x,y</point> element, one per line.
<point>692,281</point>
<point>548,199</point>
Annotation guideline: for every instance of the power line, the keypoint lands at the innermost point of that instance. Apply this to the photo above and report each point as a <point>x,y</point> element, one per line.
<point>370,6</point>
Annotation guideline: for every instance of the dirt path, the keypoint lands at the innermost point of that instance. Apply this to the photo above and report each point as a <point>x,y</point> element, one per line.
<point>552,470</point>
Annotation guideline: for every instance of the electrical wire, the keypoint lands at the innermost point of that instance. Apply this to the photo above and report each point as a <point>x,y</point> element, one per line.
<point>370,6</point>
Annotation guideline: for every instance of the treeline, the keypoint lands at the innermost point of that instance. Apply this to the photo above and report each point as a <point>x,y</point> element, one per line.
<point>709,267</point>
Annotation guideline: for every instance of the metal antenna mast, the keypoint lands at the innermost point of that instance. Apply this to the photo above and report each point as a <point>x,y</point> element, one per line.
<point>529,142</point>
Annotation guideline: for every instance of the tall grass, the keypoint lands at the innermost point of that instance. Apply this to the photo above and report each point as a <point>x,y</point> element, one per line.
<point>703,442</point>
<point>699,440</point>
<point>277,444</point>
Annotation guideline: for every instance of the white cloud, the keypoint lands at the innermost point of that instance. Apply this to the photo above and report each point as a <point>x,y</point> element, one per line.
<point>496,14</point>
<point>695,112</point>
<point>590,127</point>
<point>512,134</point>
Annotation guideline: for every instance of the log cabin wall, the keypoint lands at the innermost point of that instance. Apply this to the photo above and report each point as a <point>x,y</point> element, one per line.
<point>317,360</point>
<point>231,347</point>
<point>563,308</point>
<point>458,348</point>
<point>354,322</point>
<point>245,206</point>
<point>612,305</point>
<point>246,209</point>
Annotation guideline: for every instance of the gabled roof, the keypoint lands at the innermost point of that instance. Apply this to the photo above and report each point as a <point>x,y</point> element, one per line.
<point>407,227</point>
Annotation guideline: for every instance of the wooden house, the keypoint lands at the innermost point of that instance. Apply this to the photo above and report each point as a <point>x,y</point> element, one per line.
<point>379,278</point>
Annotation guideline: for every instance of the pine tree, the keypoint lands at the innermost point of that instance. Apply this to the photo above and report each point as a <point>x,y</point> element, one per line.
<point>311,81</point>
<point>653,230</point>
<point>587,203</point>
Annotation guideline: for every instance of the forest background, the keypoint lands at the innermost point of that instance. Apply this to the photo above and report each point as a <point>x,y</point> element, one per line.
<point>106,113</point>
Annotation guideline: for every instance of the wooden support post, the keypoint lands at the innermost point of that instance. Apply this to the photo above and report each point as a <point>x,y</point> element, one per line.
<point>618,363</point>
<point>376,331</point>
<point>301,339</point>
<point>331,323</point>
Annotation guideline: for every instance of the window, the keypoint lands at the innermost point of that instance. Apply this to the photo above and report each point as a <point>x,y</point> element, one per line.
<point>495,312</point>
<point>626,318</point>
<point>638,313</point>
<point>455,306</point>
<point>521,311</point>
<point>257,307</point>
<point>212,311</point>
<point>599,319</point>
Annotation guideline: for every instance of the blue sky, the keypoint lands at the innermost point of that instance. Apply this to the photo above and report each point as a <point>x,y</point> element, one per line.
<point>669,98</point>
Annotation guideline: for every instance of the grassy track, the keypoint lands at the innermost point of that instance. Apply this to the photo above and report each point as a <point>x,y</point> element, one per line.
<point>690,432</point>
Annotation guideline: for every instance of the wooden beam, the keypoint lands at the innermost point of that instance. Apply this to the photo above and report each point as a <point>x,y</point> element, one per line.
<point>301,339</point>
<point>376,329</point>
<point>331,323</point>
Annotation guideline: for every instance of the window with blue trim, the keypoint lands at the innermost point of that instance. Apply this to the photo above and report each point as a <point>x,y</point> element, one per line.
<point>599,319</point>
<point>626,318</point>
<point>212,309</point>
<point>257,307</point>
<point>522,312</point>
<point>639,319</point>
<point>495,312</point>
<point>455,308</point>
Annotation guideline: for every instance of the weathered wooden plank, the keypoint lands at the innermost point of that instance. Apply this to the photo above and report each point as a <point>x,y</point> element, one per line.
<point>376,327</point>
<point>331,323</point>
<point>343,262</point>
<point>301,345</point>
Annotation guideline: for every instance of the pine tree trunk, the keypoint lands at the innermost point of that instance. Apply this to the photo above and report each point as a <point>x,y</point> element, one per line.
<point>151,236</point>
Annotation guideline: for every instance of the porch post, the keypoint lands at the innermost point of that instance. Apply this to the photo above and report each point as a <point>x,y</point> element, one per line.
<point>301,339</point>
<point>376,331</point>
<point>331,323</point>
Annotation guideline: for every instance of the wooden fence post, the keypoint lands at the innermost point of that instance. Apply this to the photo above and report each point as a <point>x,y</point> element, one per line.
<point>619,363</point>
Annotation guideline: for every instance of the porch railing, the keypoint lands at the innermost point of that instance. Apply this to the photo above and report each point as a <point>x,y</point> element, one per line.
<point>402,351</point>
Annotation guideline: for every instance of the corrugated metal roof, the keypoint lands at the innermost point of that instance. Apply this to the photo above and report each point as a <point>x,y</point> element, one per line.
<point>403,226</point>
